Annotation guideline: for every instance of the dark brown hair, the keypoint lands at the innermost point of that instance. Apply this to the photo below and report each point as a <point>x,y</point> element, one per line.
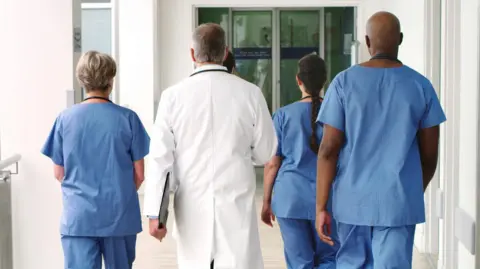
<point>312,72</point>
<point>229,62</point>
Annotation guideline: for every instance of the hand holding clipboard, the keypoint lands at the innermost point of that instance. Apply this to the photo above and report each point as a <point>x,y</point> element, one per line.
<point>163,213</point>
<point>158,226</point>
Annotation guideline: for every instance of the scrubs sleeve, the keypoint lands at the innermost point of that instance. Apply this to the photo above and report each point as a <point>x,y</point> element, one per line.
<point>434,114</point>
<point>161,158</point>
<point>53,147</point>
<point>140,139</point>
<point>264,144</point>
<point>332,111</point>
<point>278,124</point>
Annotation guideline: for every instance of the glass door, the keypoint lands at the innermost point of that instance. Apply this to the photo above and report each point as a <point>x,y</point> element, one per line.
<point>340,39</point>
<point>299,36</point>
<point>267,45</point>
<point>252,47</point>
<point>96,29</point>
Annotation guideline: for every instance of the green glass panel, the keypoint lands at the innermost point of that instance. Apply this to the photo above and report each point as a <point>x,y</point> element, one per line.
<point>215,15</point>
<point>299,36</point>
<point>339,35</point>
<point>252,33</point>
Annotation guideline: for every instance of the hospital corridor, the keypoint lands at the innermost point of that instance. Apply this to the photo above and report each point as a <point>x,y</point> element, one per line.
<point>95,91</point>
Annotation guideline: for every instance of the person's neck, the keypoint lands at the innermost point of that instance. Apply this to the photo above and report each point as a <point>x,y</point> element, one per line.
<point>305,95</point>
<point>205,63</point>
<point>393,53</point>
<point>97,94</point>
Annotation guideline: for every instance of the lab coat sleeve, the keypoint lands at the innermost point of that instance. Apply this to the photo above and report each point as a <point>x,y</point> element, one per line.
<point>264,145</point>
<point>161,158</point>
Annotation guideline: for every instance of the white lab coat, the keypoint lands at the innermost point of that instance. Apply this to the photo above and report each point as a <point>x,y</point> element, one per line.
<point>209,130</point>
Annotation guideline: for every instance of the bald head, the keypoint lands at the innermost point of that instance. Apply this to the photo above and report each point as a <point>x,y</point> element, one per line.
<point>209,45</point>
<point>383,33</point>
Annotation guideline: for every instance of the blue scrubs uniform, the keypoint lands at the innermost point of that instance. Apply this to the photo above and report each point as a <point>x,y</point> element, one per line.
<point>293,201</point>
<point>97,144</point>
<point>378,190</point>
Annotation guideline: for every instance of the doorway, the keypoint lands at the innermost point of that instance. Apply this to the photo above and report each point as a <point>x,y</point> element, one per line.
<point>268,42</point>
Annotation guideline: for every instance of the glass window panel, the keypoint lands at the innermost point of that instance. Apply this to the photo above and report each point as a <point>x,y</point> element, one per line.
<point>299,36</point>
<point>97,30</point>
<point>339,35</point>
<point>252,46</point>
<point>215,15</point>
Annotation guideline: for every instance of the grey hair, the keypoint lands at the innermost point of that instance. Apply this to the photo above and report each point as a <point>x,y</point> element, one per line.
<point>209,43</point>
<point>95,71</point>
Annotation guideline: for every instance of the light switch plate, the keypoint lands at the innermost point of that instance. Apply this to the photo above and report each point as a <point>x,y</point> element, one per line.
<point>465,229</point>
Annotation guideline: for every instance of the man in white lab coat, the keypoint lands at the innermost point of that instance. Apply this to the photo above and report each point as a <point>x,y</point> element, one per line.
<point>209,130</point>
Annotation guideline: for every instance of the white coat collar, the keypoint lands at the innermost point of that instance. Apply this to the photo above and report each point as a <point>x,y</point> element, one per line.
<point>209,67</point>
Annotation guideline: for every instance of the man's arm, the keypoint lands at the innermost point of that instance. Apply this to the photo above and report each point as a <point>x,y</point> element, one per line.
<point>264,143</point>
<point>161,158</point>
<point>428,139</point>
<point>330,147</point>
<point>332,117</point>
<point>428,134</point>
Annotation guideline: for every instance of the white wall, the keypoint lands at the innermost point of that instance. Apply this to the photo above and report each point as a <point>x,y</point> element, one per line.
<point>36,71</point>
<point>468,118</point>
<point>137,59</point>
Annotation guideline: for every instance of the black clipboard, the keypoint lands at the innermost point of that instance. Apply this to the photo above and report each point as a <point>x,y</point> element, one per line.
<point>163,212</point>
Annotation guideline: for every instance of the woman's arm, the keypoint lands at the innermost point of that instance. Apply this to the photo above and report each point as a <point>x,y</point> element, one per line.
<point>139,172</point>
<point>59,172</point>
<point>269,175</point>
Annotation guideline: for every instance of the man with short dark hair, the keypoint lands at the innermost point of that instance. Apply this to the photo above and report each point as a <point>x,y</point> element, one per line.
<point>380,143</point>
<point>209,130</point>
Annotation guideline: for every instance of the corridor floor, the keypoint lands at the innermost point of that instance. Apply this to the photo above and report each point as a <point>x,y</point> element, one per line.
<point>152,254</point>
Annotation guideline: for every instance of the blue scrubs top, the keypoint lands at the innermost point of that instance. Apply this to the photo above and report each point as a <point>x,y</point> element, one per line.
<point>379,175</point>
<point>97,144</point>
<point>294,191</point>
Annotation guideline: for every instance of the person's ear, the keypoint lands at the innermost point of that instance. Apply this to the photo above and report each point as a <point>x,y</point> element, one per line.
<point>192,54</point>
<point>401,39</point>
<point>299,82</point>
<point>367,41</point>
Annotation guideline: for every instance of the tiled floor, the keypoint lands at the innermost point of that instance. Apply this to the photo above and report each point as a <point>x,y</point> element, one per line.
<point>152,254</point>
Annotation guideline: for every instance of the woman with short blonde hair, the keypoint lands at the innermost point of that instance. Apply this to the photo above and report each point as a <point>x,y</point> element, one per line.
<point>95,71</point>
<point>98,148</point>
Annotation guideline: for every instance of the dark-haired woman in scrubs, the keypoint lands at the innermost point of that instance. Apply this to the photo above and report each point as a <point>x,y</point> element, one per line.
<point>290,177</point>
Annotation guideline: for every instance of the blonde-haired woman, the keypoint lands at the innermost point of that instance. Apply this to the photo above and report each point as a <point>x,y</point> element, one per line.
<point>97,149</point>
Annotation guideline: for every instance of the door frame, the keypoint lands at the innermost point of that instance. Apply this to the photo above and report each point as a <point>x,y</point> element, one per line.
<point>113,7</point>
<point>428,238</point>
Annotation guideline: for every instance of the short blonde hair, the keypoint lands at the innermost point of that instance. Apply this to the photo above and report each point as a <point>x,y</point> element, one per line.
<point>95,70</point>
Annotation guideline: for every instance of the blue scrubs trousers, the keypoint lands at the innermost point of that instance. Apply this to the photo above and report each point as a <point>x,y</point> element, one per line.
<point>367,247</point>
<point>302,246</point>
<point>87,252</point>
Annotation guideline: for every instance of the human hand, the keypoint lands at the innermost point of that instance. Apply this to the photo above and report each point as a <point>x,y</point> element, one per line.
<point>267,214</point>
<point>323,224</point>
<point>159,234</point>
